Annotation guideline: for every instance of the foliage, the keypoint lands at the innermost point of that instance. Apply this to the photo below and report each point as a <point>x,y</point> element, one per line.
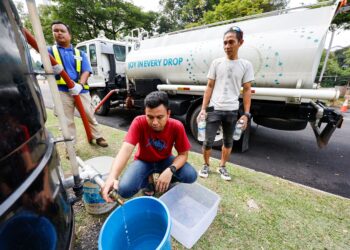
<point>347,58</point>
<point>20,10</point>
<point>87,17</point>
<point>342,20</point>
<point>47,15</point>
<point>194,10</point>
<point>229,9</point>
<point>170,19</point>
<point>337,70</point>
<point>178,14</point>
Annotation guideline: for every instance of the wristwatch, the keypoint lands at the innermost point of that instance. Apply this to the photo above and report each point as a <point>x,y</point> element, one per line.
<point>172,169</point>
<point>248,115</point>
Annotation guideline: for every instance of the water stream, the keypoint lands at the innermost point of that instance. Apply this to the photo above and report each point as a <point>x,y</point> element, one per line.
<point>126,228</point>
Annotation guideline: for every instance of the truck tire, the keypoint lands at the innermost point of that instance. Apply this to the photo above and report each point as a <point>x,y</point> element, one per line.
<point>194,129</point>
<point>96,97</point>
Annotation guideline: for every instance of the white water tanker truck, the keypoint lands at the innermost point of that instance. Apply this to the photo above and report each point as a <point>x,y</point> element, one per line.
<point>285,48</point>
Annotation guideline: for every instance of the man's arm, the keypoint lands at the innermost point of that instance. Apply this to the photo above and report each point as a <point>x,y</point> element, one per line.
<point>206,97</point>
<point>180,160</point>
<point>118,165</point>
<point>165,177</point>
<point>85,68</point>
<point>246,102</point>
<point>84,77</point>
<point>207,93</point>
<point>86,71</point>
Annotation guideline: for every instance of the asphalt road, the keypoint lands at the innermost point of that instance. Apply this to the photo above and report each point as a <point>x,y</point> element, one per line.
<point>292,155</point>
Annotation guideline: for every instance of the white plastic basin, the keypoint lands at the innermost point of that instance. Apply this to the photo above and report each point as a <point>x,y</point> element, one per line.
<point>192,208</point>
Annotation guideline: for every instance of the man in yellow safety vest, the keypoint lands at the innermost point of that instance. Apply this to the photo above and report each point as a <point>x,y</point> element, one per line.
<point>77,66</point>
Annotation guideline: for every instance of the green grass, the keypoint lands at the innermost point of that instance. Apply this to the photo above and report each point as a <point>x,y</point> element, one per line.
<point>288,216</point>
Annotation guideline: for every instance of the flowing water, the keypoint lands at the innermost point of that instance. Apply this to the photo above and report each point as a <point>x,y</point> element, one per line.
<point>126,227</point>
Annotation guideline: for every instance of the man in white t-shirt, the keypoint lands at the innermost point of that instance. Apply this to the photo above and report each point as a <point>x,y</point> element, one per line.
<point>221,99</point>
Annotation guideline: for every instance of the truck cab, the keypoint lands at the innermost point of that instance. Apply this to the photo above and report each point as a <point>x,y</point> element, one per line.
<point>99,52</point>
<point>107,59</point>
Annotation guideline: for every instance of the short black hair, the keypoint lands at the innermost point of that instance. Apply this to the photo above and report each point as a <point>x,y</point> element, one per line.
<point>156,98</point>
<point>236,30</point>
<point>60,22</point>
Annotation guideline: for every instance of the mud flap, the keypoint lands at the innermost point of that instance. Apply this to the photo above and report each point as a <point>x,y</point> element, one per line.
<point>333,121</point>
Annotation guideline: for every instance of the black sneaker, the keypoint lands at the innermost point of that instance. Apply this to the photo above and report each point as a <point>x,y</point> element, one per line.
<point>223,173</point>
<point>204,172</point>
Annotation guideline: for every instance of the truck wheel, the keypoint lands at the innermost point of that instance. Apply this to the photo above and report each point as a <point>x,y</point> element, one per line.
<point>194,129</point>
<point>96,98</point>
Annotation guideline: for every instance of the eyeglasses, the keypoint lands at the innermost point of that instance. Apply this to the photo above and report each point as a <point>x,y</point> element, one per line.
<point>239,34</point>
<point>237,29</point>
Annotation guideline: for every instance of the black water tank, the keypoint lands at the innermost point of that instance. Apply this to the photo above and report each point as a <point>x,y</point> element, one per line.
<point>34,209</point>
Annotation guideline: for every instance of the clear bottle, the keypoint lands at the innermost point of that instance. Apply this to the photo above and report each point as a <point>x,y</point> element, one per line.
<point>238,130</point>
<point>201,124</point>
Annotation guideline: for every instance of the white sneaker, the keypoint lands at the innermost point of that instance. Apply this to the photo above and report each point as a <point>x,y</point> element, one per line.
<point>204,172</point>
<point>223,173</point>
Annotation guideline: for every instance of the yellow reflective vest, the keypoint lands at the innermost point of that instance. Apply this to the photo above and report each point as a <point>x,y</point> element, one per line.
<point>56,55</point>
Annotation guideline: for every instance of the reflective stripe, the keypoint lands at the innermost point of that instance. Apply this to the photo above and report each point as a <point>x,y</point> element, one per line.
<point>77,62</point>
<point>56,55</point>
<point>77,55</point>
<point>78,66</point>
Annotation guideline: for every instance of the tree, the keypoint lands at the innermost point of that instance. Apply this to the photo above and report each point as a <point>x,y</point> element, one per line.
<point>87,17</point>
<point>178,14</point>
<point>335,74</point>
<point>194,10</point>
<point>347,58</point>
<point>20,10</point>
<point>229,9</point>
<point>342,20</point>
<point>115,17</point>
<point>170,19</point>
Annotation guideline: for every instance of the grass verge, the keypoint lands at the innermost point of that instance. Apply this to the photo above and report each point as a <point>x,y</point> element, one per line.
<point>286,215</point>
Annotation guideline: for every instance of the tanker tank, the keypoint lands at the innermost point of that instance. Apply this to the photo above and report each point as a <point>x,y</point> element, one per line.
<point>284,46</point>
<point>284,49</point>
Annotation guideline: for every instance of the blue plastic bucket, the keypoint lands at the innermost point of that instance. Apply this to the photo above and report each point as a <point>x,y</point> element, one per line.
<point>28,231</point>
<point>141,223</point>
<point>93,201</point>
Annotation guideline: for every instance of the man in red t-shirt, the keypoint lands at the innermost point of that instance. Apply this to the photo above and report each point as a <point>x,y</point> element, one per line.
<point>156,134</point>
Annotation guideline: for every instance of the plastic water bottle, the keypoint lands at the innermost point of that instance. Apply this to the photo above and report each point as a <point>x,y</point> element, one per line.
<point>238,130</point>
<point>201,128</point>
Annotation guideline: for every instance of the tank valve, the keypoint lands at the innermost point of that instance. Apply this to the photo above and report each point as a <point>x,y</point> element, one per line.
<point>114,196</point>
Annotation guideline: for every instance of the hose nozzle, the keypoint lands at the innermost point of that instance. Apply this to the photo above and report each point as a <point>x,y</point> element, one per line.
<point>115,196</point>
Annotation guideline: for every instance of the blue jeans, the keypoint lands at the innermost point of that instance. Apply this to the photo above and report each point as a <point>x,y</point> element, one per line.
<point>136,175</point>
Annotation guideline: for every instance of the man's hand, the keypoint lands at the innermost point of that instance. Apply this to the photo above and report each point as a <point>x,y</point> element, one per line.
<point>201,114</point>
<point>76,89</point>
<point>164,180</point>
<point>110,184</point>
<point>57,69</point>
<point>245,119</point>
